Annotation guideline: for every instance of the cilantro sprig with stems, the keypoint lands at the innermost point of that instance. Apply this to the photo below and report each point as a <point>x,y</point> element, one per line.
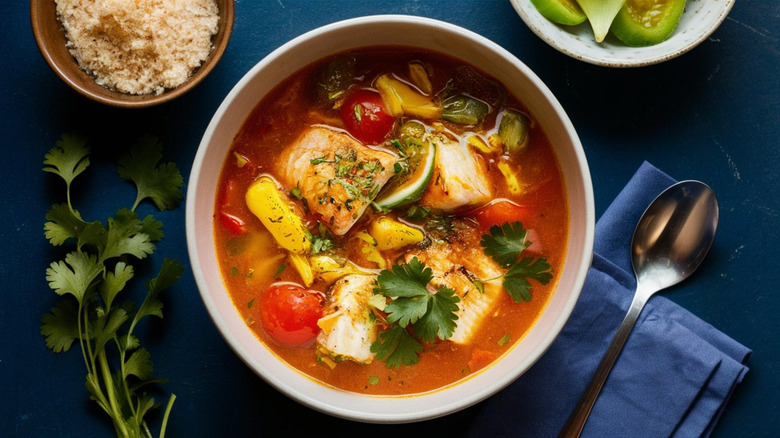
<point>429,315</point>
<point>504,244</point>
<point>91,276</point>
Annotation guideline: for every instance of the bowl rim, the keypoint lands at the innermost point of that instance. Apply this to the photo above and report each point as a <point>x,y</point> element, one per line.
<point>341,403</point>
<point>559,36</point>
<point>122,100</point>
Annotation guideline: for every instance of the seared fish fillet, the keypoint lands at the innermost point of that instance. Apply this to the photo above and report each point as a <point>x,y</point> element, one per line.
<point>456,264</point>
<point>459,179</point>
<point>337,175</point>
<point>348,328</point>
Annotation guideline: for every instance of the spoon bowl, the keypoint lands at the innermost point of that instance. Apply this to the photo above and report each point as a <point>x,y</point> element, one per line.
<point>670,241</point>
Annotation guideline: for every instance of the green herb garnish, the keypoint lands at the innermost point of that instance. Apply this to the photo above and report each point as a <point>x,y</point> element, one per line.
<point>92,275</point>
<point>504,244</point>
<point>429,315</point>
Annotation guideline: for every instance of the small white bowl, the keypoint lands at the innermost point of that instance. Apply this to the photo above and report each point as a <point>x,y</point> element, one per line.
<point>382,30</point>
<point>698,22</point>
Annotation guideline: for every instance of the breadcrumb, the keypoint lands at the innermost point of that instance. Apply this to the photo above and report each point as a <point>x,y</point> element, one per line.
<point>139,46</point>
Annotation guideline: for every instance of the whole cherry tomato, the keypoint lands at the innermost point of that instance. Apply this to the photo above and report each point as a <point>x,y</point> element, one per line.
<point>364,116</point>
<point>289,313</point>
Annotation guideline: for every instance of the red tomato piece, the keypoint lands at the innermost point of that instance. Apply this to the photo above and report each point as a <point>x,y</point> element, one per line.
<point>501,211</point>
<point>230,205</point>
<point>289,313</point>
<point>364,116</point>
<point>232,224</point>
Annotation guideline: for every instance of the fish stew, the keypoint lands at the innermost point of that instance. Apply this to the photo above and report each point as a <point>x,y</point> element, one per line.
<point>390,221</point>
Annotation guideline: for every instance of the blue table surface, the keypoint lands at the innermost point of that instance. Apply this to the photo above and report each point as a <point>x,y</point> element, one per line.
<point>712,114</point>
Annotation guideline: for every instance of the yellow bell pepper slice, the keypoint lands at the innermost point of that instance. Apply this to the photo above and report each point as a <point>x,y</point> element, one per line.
<point>265,202</point>
<point>391,234</point>
<point>400,98</point>
<point>302,265</point>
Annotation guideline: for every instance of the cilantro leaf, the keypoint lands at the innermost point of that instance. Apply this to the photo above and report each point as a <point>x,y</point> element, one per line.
<point>152,228</point>
<point>440,319</point>
<point>170,271</point>
<point>125,237</point>
<point>407,311</point>
<point>62,224</point>
<point>60,326</point>
<point>160,182</point>
<point>114,282</point>
<point>74,275</point>
<point>505,242</point>
<point>515,281</point>
<point>430,315</point>
<point>68,159</point>
<point>139,364</point>
<point>106,327</point>
<point>397,347</point>
<point>408,280</point>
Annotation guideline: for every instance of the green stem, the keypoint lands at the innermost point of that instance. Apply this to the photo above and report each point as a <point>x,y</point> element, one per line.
<point>171,399</point>
<point>116,414</point>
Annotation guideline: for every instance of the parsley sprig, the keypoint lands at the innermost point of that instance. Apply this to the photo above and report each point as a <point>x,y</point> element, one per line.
<point>91,276</point>
<point>428,315</point>
<point>504,244</point>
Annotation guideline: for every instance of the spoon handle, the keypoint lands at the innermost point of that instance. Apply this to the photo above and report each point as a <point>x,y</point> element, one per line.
<point>576,421</point>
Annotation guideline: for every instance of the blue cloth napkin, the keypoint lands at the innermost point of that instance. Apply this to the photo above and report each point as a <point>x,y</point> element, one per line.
<point>673,378</point>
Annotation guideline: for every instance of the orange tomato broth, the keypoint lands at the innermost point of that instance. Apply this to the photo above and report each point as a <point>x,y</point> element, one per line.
<point>252,261</point>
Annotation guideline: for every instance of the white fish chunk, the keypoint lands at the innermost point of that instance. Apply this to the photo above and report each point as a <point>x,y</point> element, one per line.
<point>456,264</point>
<point>348,327</point>
<point>337,175</point>
<point>460,178</point>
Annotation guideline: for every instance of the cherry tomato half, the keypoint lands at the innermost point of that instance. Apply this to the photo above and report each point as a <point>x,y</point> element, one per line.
<point>501,211</point>
<point>364,116</point>
<point>289,313</point>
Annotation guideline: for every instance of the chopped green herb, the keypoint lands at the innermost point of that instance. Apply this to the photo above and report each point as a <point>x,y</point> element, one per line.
<point>320,160</point>
<point>373,380</point>
<point>504,339</point>
<point>250,303</point>
<point>504,244</point>
<point>358,111</point>
<point>296,192</point>
<point>280,269</point>
<point>92,275</point>
<point>430,315</point>
<point>234,271</point>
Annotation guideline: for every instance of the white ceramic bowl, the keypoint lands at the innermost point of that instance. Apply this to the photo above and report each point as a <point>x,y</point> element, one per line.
<point>698,22</point>
<point>367,31</point>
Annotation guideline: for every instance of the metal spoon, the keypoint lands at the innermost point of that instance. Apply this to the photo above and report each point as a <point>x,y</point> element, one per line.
<point>670,241</point>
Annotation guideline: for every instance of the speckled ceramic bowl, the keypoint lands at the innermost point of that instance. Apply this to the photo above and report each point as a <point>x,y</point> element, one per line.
<point>425,34</point>
<point>698,22</point>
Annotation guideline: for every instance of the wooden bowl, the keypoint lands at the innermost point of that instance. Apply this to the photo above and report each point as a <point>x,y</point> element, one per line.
<point>51,40</point>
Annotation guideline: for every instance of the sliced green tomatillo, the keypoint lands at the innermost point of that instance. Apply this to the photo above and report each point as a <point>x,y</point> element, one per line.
<point>566,12</point>
<point>647,22</point>
<point>600,14</point>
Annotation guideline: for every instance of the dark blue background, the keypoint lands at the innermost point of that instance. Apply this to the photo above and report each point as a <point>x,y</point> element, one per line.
<point>712,114</point>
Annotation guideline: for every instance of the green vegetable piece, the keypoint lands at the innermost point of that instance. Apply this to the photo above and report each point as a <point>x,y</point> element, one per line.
<point>566,12</point>
<point>335,76</point>
<point>513,130</point>
<point>600,14</point>
<point>647,22</point>
<point>464,110</point>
